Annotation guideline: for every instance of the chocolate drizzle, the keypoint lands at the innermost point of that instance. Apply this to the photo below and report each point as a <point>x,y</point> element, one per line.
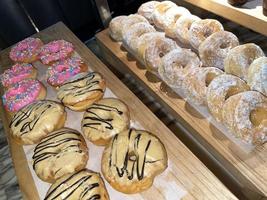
<point>71,184</point>
<point>52,141</point>
<point>96,120</point>
<point>25,117</point>
<point>134,158</point>
<point>74,89</point>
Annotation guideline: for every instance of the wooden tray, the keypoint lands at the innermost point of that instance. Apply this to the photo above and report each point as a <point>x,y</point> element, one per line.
<point>250,169</point>
<point>249,15</point>
<point>185,174</point>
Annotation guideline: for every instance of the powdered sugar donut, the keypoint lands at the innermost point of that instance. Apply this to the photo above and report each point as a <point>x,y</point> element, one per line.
<point>257,75</point>
<point>220,89</point>
<point>26,50</point>
<point>202,29</point>
<point>216,47</point>
<point>146,10</point>
<point>131,20</point>
<point>16,73</point>
<point>55,50</point>
<point>175,66</point>
<point>182,27</point>
<point>22,94</point>
<point>62,71</point>
<point>131,37</point>
<point>156,50</point>
<point>115,27</point>
<point>246,115</point>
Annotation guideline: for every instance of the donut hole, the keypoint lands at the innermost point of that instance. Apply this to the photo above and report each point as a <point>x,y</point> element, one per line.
<point>257,116</point>
<point>209,77</point>
<point>232,91</point>
<point>132,156</point>
<point>207,32</point>
<point>161,54</point>
<point>225,45</point>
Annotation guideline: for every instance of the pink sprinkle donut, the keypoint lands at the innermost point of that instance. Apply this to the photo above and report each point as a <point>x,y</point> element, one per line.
<point>55,50</point>
<point>22,94</point>
<point>62,71</point>
<point>26,50</point>
<point>18,72</point>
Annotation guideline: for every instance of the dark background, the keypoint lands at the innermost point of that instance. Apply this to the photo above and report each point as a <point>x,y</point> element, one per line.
<point>22,18</point>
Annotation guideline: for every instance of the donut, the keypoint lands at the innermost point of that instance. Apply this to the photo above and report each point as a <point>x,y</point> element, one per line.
<point>55,50</point>
<point>171,16</point>
<point>144,41</point>
<point>26,51</point>
<point>257,75</point>
<point>104,119</point>
<point>63,70</point>
<point>216,47</point>
<point>33,122</point>
<point>239,59</point>
<point>158,14</point>
<point>156,50</point>
<point>131,37</point>
<point>16,73</point>
<point>220,89</point>
<point>82,90</point>
<point>196,82</point>
<point>245,114</point>
<point>201,29</point>
<point>23,93</point>
<point>84,184</point>
<point>132,159</point>
<point>176,64</point>
<point>59,153</point>
<point>146,10</point>
<point>182,27</point>
<point>115,27</point>
<point>131,20</point>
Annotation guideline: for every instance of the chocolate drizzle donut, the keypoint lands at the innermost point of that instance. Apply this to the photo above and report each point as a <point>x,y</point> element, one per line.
<point>104,119</point>
<point>84,184</point>
<point>35,121</point>
<point>132,159</point>
<point>61,152</point>
<point>81,91</point>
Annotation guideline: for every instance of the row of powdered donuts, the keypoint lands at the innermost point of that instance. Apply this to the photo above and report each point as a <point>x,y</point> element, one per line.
<point>182,68</point>
<point>216,47</point>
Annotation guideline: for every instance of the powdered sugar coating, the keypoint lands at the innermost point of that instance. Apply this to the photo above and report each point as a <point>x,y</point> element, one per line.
<point>55,50</point>
<point>257,75</point>
<point>131,37</point>
<point>176,64</point>
<point>182,27</point>
<point>115,27</point>
<point>146,10</point>
<point>16,73</point>
<point>25,50</point>
<point>239,59</point>
<point>195,83</point>
<point>130,20</point>
<point>202,29</point>
<point>21,94</point>
<point>216,47</point>
<point>241,106</point>
<point>156,50</point>
<point>63,70</point>
<point>218,90</point>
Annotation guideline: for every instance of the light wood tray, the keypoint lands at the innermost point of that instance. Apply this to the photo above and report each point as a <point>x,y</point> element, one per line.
<point>250,169</point>
<point>185,175</point>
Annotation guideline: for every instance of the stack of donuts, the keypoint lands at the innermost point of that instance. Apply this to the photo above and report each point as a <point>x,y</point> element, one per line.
<point>61,153</point>
<point>204,61</point>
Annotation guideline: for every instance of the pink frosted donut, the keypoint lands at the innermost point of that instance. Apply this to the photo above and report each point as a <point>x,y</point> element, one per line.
<point>26,50</point>
<point>62,71</point>
<point>22,94</point>
<point>18,72</point>
<point>55,50</point>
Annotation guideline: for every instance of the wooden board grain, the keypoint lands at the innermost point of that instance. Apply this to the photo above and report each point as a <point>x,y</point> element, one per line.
<point>249,15</point>
<point>250,169</point>
<point>185,170</point>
